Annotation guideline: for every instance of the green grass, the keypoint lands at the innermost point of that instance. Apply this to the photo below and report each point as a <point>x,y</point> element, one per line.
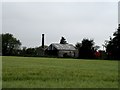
<point>24,72</point>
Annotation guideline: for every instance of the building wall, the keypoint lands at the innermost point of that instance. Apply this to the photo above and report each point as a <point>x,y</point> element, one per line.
<point>51,50</point>
<point>76,53</point>
<point>66,53</point>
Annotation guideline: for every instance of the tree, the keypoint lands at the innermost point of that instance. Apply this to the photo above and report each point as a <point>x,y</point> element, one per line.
<point>9,44</point>
<point>96,47</point>
<point>30,52</point>
<point>86,48</point>
<point>40,51</point>
<point>78,45</point>
<point>105,44</point>
<point>63,41</point>
<point>36,52</point>
<point>113,46</point>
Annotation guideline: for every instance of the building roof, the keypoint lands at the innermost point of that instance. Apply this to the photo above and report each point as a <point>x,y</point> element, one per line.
<point>63,46</point>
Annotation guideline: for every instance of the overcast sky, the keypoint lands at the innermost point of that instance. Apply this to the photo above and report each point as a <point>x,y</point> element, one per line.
<point>73,20</point>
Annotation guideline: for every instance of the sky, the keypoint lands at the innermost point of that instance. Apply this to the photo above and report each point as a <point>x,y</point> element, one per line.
<point>72,20</point>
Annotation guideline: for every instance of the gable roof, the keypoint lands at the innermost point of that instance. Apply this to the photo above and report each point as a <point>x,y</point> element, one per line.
<point>63,46</point>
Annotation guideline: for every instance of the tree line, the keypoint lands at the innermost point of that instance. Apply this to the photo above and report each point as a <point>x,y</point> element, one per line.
<point>86,48</point>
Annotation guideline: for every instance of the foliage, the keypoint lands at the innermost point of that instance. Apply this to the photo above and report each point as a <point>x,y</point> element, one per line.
<point>29,72</point>
<point>78,45</point>
<point>10,44</point>
<point>38,51</point>
<point>96,47</point>
<point>86,48</point>
<point>63,41</point>
<point>113,46</point>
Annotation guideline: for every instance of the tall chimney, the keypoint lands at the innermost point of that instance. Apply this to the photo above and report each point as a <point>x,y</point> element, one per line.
<point>42,40</point>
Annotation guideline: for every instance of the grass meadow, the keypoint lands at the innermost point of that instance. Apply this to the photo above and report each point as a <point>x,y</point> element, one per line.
<point>30,72</point>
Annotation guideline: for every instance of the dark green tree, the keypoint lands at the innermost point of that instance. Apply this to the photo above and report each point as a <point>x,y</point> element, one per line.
<point>10,44</point>
<point>33,52</point>
<point>63,41</point>
<point>41,51</point>
<point>113,46</point>
<point>78,45</point>
<point>86,48</point>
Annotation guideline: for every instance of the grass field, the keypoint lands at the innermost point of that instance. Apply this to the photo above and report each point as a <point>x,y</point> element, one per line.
<point>24,72</point>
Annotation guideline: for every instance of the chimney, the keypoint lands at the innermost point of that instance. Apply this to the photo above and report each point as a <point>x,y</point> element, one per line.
<point>42,40</point>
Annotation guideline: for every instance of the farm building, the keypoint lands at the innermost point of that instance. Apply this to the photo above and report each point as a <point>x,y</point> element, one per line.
<point>61,50</point>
